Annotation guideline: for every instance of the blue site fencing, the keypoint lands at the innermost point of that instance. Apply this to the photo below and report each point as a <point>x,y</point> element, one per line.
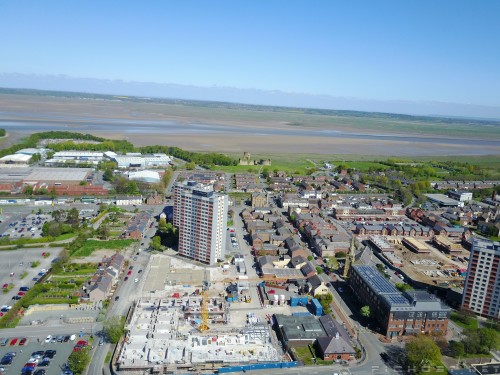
<point>257,366</point>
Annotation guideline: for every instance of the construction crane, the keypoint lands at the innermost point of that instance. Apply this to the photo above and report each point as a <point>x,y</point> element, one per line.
<point>349,258</point>
<point>204,305</point>
<point>204,312</point>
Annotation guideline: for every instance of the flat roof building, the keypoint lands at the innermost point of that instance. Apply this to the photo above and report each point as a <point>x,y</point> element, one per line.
<point>482,283</point>
<point>443,200</point>
<point>58,175</point>
<point>16,159</point>
<point>141,161</point>
<point>201,216</point>
<point>397,313</point>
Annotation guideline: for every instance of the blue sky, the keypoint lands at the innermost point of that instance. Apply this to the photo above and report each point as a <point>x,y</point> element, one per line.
<point>382,50</point>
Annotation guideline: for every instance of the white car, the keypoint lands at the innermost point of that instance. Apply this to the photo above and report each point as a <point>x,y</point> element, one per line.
<point>72,338</point>
<point>48,338</point>
<point>136,280</point>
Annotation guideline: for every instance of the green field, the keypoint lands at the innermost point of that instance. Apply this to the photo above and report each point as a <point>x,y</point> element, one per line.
<point>92,245</point>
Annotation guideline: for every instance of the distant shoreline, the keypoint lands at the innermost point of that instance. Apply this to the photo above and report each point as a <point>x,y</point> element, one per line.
<point>235,131</point>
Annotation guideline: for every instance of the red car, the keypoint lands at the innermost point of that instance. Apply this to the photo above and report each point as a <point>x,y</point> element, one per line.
<point>129,272</point>
<point>23,341</point>
<point>21,293</point>
<point>30,364</point>
<point>5,286</point>
<point>79,345</point>
<point>13,342</point>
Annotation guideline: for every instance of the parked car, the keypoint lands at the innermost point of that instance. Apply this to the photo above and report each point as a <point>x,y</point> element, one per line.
<point>23,341</point>
<point>48,339</point>
<point>40,371</point>
<point>24,289</point>
<point>16,297</point>
<point>5,286</point>
<point>50,353</point>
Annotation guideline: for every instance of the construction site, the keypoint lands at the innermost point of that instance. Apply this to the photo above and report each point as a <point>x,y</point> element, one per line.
<point>193,333</point>
<point>192,318</point>
<point>423,261</point>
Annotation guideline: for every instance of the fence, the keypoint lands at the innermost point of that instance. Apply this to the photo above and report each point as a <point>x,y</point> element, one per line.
<point>257,366</point>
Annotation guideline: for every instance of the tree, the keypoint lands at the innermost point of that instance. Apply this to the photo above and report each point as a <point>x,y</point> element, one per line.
<point>72,217</point>
<point>326,300</point>
<point>79,360</point>
<point>156,243</point>
<point>421,352</point>
<point>319,270</point>
<point>365,311</point>
<point>51,229</point>
<point>457,349</point>
<point>114,328</point>
<point>103,232</point>
<point>489,339</point>
<point>58,215</point>
<point>162,224</point>
<point>190,166</point>
<point>471,340</point>
<point>310,257</point>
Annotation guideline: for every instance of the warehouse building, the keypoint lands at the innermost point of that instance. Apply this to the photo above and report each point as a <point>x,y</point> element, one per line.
<point>75,157</point>
<point>17,159</point>
<point>135,160</point>
<point>443,201</point>
<point>57,176</point>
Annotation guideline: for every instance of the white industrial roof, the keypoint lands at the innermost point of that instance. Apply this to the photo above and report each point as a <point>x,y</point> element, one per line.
<point>58,174</point>
<point>16,157</point>
<point>144,175</point>
<point>78,154</point>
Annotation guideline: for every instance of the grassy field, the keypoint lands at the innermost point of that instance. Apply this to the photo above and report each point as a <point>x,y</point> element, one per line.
<point>93,245</point>
<point>295,163</point>
<point>472,321</point>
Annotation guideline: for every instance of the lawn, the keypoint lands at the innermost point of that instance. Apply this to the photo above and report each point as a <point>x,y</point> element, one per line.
<point>92,245</point>
<point>472,321</point>
<point>304,355</point>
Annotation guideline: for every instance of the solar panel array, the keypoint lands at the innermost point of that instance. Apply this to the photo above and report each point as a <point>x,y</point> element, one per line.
<point>374,278</point>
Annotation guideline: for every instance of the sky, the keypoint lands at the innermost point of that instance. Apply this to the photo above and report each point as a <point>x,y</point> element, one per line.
<point>411,50</point>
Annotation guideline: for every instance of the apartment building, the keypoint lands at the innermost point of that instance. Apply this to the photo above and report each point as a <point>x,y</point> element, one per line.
<point>482,283</point>
<point>397,313</point>
<point>200,214</point>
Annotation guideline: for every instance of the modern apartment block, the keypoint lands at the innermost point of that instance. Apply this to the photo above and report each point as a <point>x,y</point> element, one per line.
<point>482,283</point>
<point>201,217</point>
<point>397,313</point>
